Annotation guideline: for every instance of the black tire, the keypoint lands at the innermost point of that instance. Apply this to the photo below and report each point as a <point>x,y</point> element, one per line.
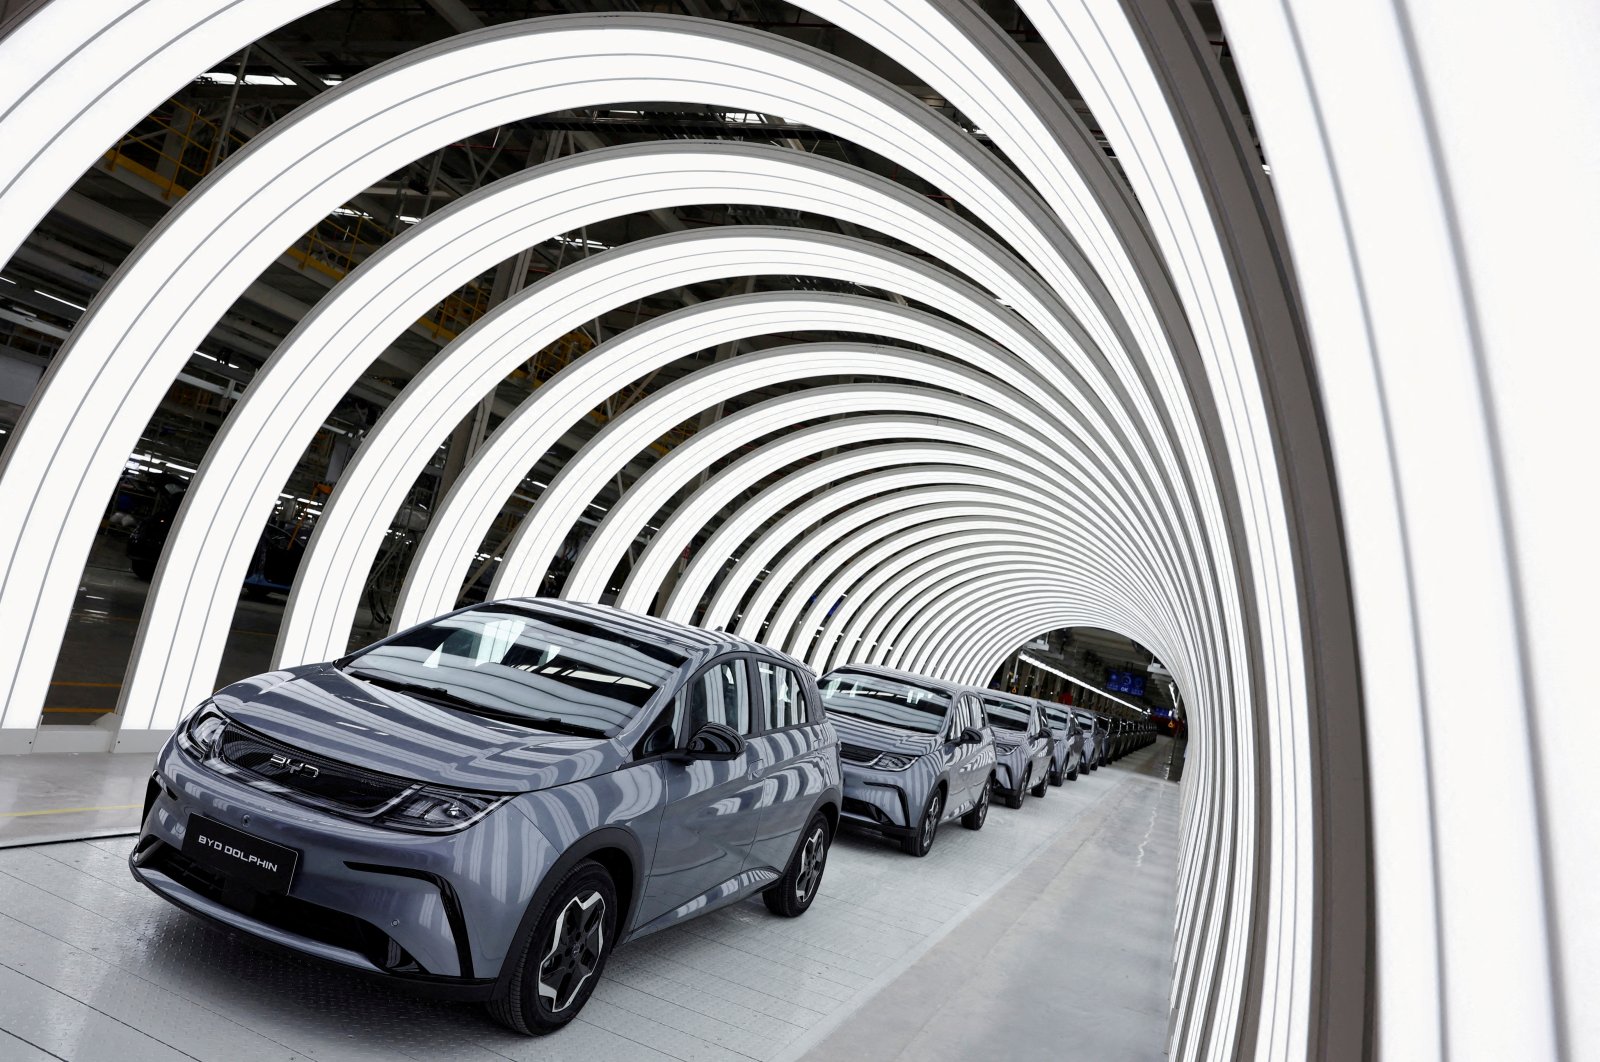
<point>568,925</point>
<point>1042,788</point>
<point>920,840</point>
<point>1014,799</point>
<point>1056,775</point>
<point>974,819</point>
<point>792,894</point>
<point>1072,775</point>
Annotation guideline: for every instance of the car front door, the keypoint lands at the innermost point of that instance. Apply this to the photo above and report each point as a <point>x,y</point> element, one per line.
<point>790,761</point>
<point>968,775</point>
<point>713,806</point>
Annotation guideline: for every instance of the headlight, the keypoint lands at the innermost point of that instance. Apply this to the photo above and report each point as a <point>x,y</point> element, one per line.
<point>1005,746</point>
<point>433,809</point>
<point>199,733</point>
<point>893,761</point>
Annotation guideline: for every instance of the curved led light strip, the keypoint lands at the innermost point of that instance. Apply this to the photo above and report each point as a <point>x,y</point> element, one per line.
<point>549,521</point>
<point>649,571</point>
<point>877,604</point>
<point>969,600</point>
<point>77,74</point>
<point>831,595</point>
<point>813,547</point>
<point>896,559</point>
<point>569,493</point>
<point>219,238</point>
<point>415,424</point>
<point>290,398</point>
<point>626,520</point>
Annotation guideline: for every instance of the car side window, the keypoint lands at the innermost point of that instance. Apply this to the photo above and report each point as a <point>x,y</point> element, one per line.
<point>784,696</point>
<point>719,694</point>
<point>979,719</point>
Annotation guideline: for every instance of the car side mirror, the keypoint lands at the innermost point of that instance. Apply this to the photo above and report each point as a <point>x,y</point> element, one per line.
<point>713,741</point>
<point>970,736</point>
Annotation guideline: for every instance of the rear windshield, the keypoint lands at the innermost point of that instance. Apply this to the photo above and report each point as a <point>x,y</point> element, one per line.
<point>550,672</point>
<point>1006,715</point>
<point>881,699</point>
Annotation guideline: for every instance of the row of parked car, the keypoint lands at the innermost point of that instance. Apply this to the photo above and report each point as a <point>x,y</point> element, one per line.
<point>916,752</point>
<point>484,805</point>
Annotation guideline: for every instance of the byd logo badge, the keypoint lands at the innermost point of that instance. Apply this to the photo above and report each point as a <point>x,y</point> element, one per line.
<point>294,766</point>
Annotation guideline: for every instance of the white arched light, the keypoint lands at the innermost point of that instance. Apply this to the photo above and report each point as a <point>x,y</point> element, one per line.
<point>356,519</point>
<point>903,556</point>
<point>879,603</point>
<point>1052,418</point>
<point>559,506</point>
<point>77,74</point>
<point>175,285</point>
<point>815,548</point>
<point>849,574</point>
<point>291,397</point>
<point>648,574</point>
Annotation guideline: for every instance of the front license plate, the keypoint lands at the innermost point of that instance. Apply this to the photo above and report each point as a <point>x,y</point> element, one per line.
<point>262,865</point>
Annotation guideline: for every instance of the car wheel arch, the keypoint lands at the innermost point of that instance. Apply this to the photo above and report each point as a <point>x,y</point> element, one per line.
<point>616,850</point>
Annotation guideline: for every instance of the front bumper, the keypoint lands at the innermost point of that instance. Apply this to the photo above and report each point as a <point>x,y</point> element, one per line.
<point>1009,765</point>
<point>878,800</point>
<point>415,908</point>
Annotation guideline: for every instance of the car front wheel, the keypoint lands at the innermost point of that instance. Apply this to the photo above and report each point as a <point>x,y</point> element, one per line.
<point>565,954</point>
<point>973,820</point>
<point>1042,788</point>
<point>920,839</point>
<point>792,894</point>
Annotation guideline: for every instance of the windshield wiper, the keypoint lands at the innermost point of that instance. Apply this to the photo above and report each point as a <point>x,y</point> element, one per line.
<point>551,723</point>
<point>435,692</point>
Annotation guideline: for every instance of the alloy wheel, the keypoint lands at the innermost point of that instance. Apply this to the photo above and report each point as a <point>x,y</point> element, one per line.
<point>576,945</point>
<point>812,856</point>
<point>930,821</point>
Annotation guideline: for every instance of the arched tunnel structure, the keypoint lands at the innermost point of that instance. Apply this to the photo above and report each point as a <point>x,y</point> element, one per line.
<point>1268,351</point>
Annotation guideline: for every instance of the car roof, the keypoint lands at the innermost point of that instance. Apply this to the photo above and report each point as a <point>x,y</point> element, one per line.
<point>908,676</point>
<point>690,641</point>
<point>1014,698</point>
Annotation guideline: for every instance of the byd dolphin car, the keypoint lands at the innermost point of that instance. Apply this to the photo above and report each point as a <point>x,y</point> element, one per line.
<point>1022,746</point>
<point>915,752</point>
<point>486,804</point>
<point>1066,743</point>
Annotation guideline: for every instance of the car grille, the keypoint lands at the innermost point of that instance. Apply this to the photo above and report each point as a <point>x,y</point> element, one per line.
<point>856,754</point>
<point>267,764</point>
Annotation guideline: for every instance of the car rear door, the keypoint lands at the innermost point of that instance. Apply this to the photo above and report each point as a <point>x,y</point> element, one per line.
<point>713,806</point>
<point>790,760</point>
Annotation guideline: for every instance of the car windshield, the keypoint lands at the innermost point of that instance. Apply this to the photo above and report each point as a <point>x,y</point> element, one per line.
<point>548,672</point>
<point>1057,716</point>
<point>890,701</point>
<point>1005,715</point>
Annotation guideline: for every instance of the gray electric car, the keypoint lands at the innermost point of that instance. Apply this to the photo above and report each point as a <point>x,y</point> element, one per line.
<point>1092,746</point>
<point>1021,746</point>
<point>914,752</point>
<point>1066,744</point>
<point>485,804</point>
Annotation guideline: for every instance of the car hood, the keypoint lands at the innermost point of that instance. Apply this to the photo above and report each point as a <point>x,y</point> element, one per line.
<point>881,738</point>
<point>323,711</point>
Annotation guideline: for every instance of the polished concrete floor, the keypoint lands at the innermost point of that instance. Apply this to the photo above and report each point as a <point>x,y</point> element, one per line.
<point>55,796</point>
<point>1045,935</point>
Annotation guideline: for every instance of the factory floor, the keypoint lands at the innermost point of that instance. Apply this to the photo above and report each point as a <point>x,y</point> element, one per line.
<point>1047,935</point>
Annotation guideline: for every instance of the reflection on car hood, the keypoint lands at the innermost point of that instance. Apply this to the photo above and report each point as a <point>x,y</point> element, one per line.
<point>879,737</point>
<point>330,714</point>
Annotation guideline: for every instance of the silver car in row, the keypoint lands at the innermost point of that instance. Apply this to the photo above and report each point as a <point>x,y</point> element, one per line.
<point>484,805</point>
<point>915,752</point>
